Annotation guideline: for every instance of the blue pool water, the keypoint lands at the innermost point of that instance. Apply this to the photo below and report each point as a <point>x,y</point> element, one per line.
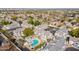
<point>35,42</point>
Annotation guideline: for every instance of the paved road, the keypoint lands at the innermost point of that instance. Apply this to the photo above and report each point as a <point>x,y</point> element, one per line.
<point>59,45</point>
<point>56,46</point>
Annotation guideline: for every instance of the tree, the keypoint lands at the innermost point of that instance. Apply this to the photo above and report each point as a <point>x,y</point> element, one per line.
<point>74,32</point>
<point>30,17</point>
<point>77,20</point>
<point>28,32</point>
<point>31,21</point>
<point>14,18</point>
<point>3,22</point>
<point>2,31</point>
<point>34,22</point>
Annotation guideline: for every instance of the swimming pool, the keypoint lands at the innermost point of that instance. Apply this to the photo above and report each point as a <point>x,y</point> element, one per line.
<point>35,42</point>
